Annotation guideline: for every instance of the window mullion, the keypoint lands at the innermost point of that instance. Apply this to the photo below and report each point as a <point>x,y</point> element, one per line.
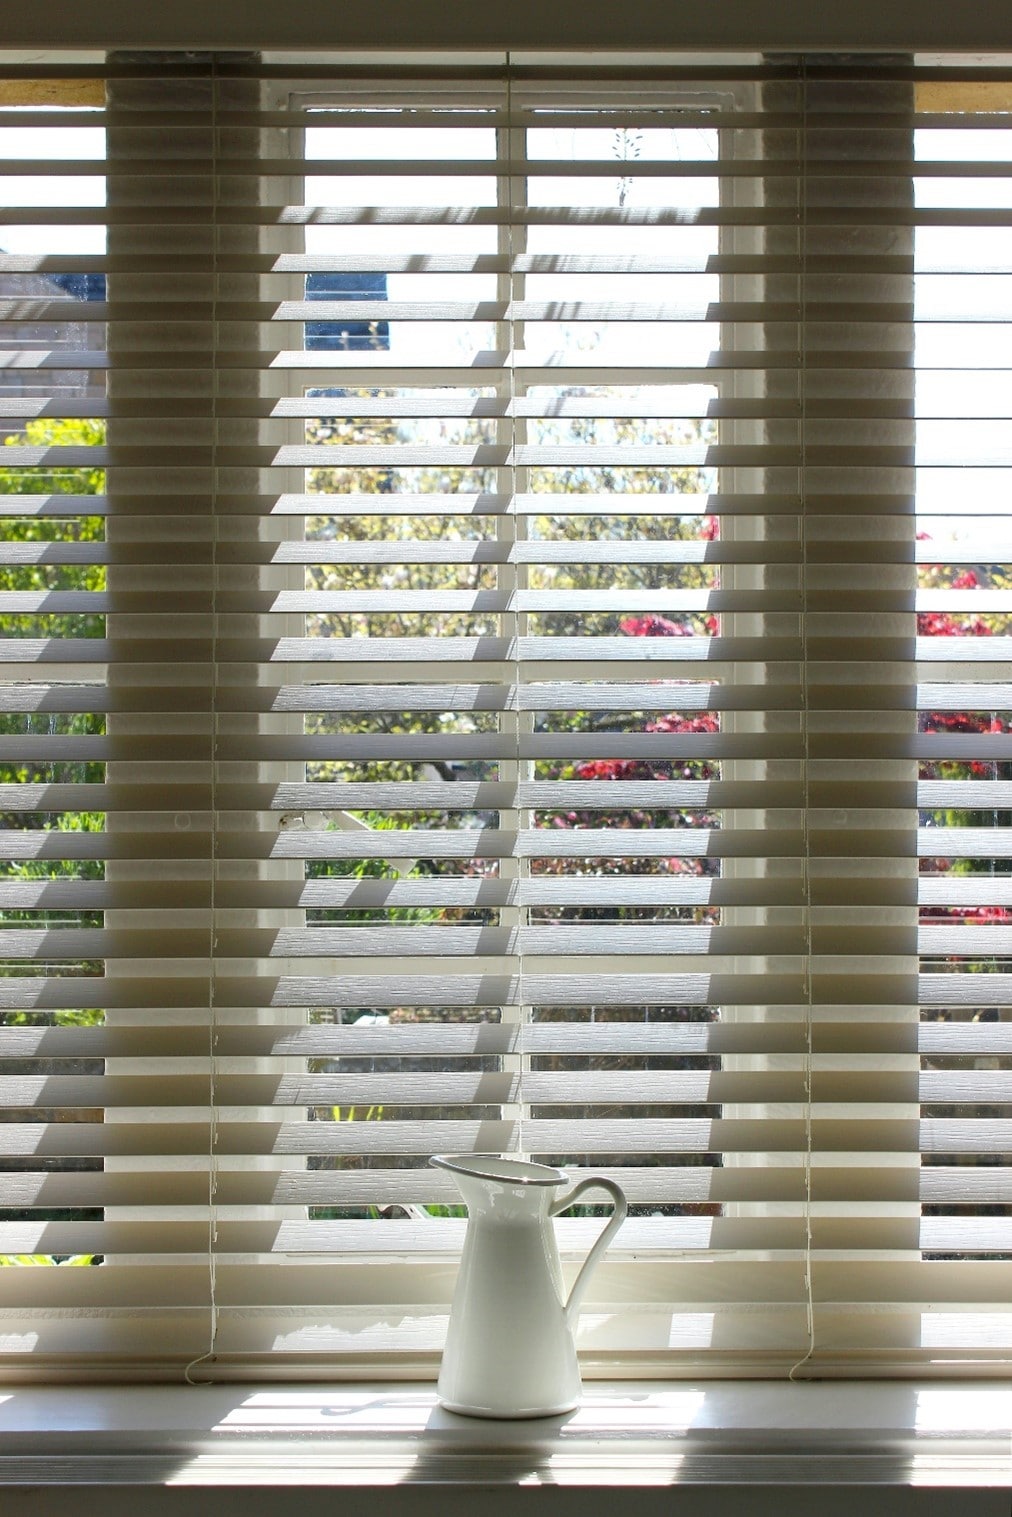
<point>513,576</point>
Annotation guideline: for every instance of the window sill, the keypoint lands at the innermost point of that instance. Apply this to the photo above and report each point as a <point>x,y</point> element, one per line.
<point>911,1447</point>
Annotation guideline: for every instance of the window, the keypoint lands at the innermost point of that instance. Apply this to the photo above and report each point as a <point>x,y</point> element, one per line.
<point>490,686</point>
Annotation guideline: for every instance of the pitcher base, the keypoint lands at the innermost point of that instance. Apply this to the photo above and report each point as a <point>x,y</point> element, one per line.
<point>499,1414</point>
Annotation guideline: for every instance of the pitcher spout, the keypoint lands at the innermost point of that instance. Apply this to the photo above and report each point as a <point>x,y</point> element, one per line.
<point>503,1188</point>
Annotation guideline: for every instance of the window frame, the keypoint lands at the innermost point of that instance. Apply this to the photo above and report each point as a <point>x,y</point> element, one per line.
<point>402,1281</point>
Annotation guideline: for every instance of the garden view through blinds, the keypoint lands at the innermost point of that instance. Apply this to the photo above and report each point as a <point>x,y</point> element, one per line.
<point>505,578</point>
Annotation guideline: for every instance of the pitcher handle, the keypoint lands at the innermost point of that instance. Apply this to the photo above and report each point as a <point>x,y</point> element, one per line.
<point>600,1243</point>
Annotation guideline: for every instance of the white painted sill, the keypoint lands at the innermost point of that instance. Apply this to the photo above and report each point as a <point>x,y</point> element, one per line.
<point>741,1447</point>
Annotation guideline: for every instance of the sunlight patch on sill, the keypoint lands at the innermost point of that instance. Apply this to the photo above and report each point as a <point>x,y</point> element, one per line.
<point>965,1330</point>
<point>963,1409</point>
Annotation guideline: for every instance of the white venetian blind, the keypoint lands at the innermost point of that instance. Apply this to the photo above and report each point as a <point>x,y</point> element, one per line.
<point>486,551</point>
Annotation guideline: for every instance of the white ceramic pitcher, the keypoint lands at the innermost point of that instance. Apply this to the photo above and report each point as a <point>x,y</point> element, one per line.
<point>510,1349</point>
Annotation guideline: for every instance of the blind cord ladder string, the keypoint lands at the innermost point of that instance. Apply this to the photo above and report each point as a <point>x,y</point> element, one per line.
<point>210,1354</point>
<point>806,881</point>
